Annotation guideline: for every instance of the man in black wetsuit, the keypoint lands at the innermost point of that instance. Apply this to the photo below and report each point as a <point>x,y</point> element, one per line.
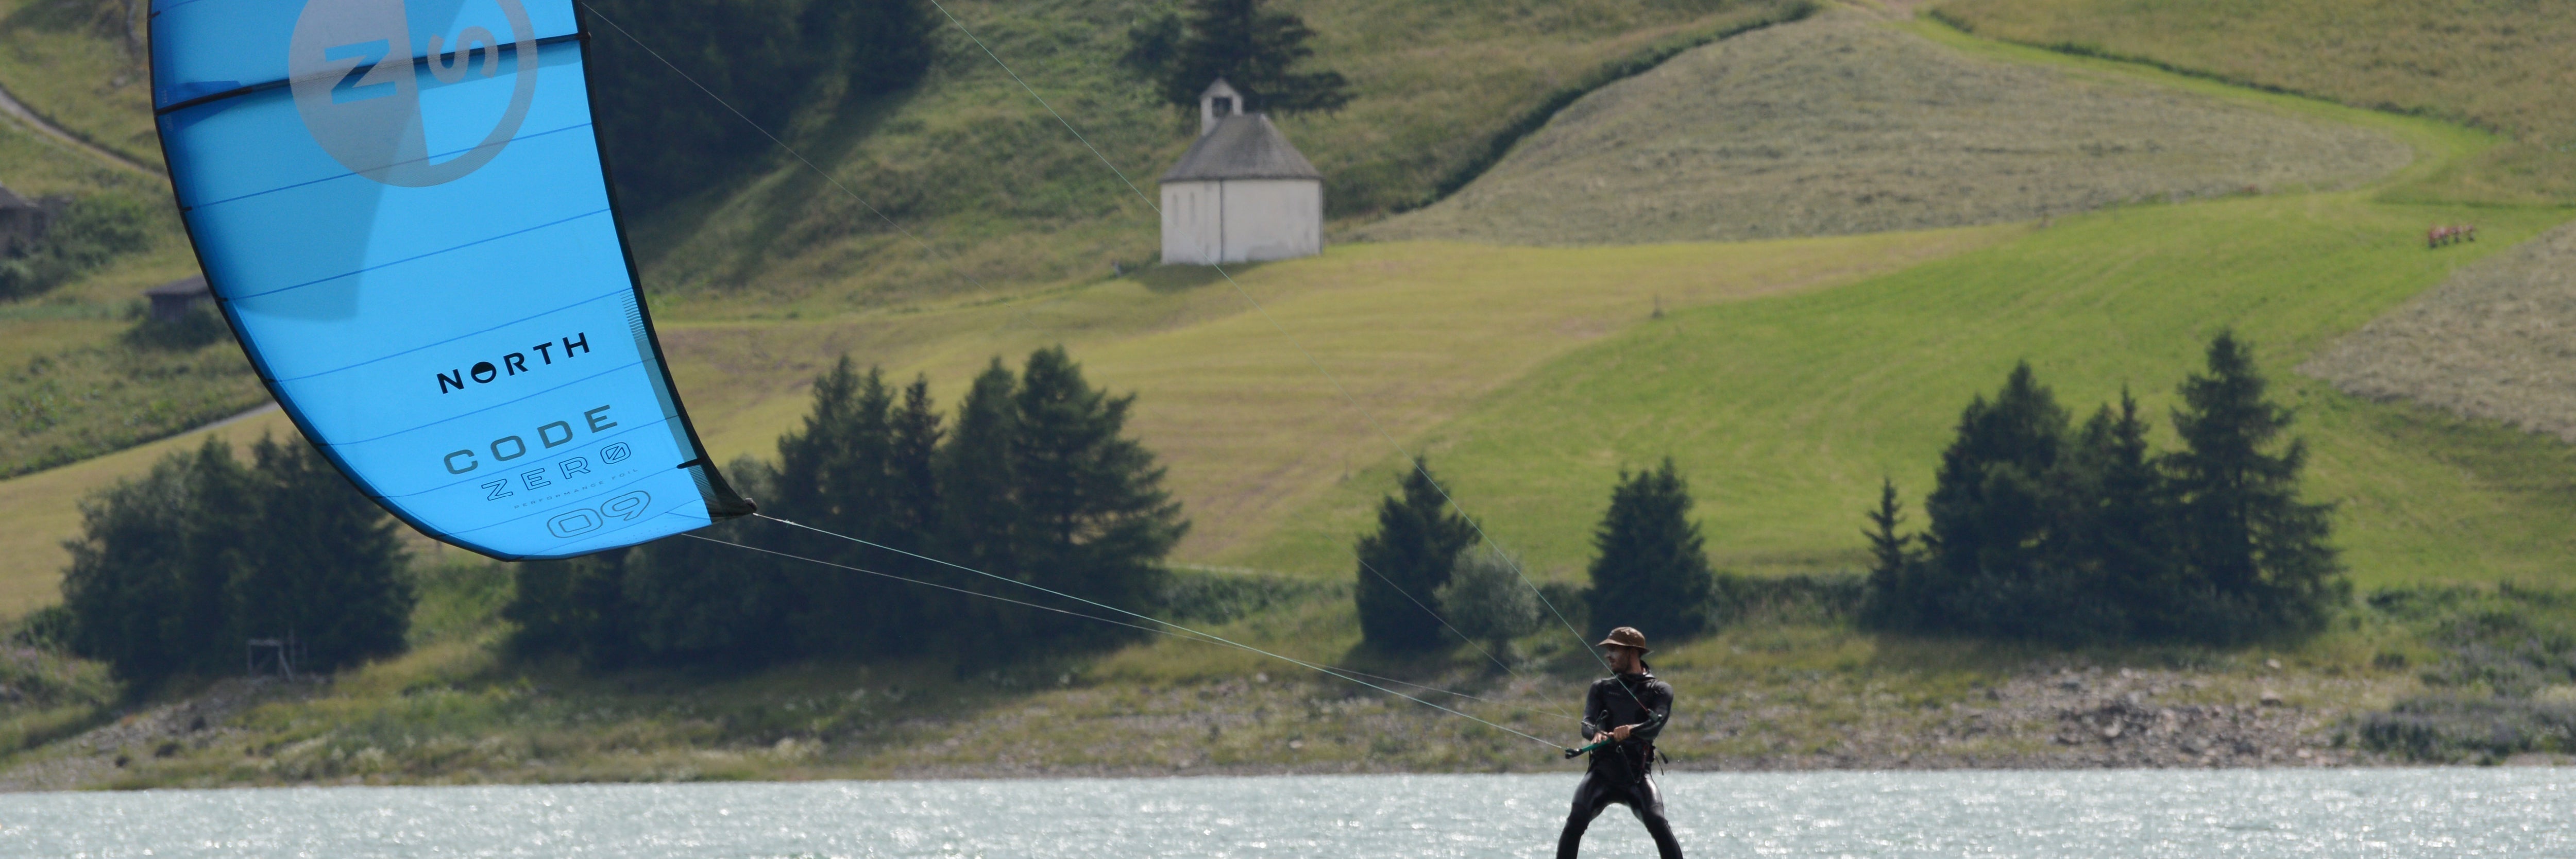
<point>1630,707</point>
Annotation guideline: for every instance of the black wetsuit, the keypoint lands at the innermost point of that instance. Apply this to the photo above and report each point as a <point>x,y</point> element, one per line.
<point>1622,772</point>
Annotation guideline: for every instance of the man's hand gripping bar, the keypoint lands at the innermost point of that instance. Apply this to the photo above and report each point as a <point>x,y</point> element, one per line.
<point>1652,720</point>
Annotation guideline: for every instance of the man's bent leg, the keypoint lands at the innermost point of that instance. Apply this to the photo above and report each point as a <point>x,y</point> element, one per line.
<point>1590,798</point>
<point>1649,806</point>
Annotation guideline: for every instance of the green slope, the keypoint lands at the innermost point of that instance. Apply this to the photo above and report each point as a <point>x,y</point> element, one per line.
<point>1788,411</point>
<point>991,194</point>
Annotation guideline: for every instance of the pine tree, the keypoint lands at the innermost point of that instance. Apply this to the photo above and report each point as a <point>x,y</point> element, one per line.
<point>690,600</point>
<point>1253,48</point>
<point>912,461</point>
<point>980,515</point>
<point>1895,563</point>
<point>574,606</point>
<point>1991,508</point>
<point>1403,564</point>
<point>2115,543</point>
<point>836,473</point>
<point>2246,537</point>
<point>1652,572</point>
<point>1097,521</point>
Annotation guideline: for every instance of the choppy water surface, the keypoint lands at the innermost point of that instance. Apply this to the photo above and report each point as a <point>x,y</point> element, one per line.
<point>2489,812</point>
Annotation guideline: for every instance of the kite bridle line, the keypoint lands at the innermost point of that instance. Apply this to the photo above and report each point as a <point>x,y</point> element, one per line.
<point>1193,636</point>
<point>1178,630</point>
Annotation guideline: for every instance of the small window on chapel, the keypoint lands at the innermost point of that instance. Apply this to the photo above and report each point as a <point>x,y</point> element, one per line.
<point>1224,106</point>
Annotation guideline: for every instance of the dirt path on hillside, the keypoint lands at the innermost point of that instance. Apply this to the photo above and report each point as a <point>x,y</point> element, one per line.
<point>17,110</point>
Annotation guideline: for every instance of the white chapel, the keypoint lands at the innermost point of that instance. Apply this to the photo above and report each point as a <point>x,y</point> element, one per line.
<point>1242,193</point>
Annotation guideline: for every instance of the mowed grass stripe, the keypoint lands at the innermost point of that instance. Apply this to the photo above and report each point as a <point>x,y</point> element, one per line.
<point>1787,411</point>
<point>1416,332</point>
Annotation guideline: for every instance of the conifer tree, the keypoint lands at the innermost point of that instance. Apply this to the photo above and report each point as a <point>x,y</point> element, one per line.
<point>1651,572</point>
<point>836,473</point>
<point>2115,544</point>
<point>1895,563</point>
<point>2245,534</point>
<point>324,564</point>
<point>1990,509</point>
<point>1096,521</point>
<point>1253,48</point>
<point>1405,562</point>
<point>912,459</point>
<point>148,581</point>
<point>980,513</point>
<point>174,571</point>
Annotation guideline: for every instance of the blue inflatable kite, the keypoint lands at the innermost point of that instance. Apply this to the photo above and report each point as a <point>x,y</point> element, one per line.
<point>403,212</point>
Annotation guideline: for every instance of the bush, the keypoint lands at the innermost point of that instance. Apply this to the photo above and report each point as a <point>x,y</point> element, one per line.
<point>199,328</point>
<point>173,572</point>
<point>84,235</point>
<point>1487,600</point>
<point>2500,687</point>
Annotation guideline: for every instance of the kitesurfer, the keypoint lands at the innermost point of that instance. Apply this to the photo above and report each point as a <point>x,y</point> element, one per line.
<point>1624,711</point>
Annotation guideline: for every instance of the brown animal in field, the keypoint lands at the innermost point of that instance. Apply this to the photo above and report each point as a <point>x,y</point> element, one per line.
<point>2440,235</point>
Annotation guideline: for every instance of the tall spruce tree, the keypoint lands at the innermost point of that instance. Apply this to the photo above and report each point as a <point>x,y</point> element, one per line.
<point>1991,508</point>
<point>1405,562</point>
<point>2262,553</point>
<point>2115,549</point>
<point>1254,48</point>
<point>836,472</point>
<point>1652,572</point>
<point>982,525</point>
<point>1894,562</point>
<point>1096,519</point>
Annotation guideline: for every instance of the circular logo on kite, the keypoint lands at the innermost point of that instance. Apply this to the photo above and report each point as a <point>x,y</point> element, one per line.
<point>405,112</point>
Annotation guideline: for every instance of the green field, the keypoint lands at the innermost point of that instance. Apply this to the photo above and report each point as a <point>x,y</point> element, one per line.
<point>1786,412</point>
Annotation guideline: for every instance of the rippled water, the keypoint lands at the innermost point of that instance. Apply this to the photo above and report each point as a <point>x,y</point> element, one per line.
<point>2458,812</point>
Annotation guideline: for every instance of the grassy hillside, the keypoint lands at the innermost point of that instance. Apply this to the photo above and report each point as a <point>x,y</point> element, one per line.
<point>71,386</point>
<point>2495,64</point>
<point>1786,412</point>
<point>1002,196</point>
<point>2489,343</point>
<point>82,65</point>
<point>1844,125</point>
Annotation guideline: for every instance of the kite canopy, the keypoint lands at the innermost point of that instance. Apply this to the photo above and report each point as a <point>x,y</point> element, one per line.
<point>401,208</point>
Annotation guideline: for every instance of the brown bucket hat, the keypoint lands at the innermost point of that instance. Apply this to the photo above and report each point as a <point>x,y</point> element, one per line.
<point>1628,636</point>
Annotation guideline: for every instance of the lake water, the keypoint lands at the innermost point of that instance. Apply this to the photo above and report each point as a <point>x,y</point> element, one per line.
<point>2242,813</point>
